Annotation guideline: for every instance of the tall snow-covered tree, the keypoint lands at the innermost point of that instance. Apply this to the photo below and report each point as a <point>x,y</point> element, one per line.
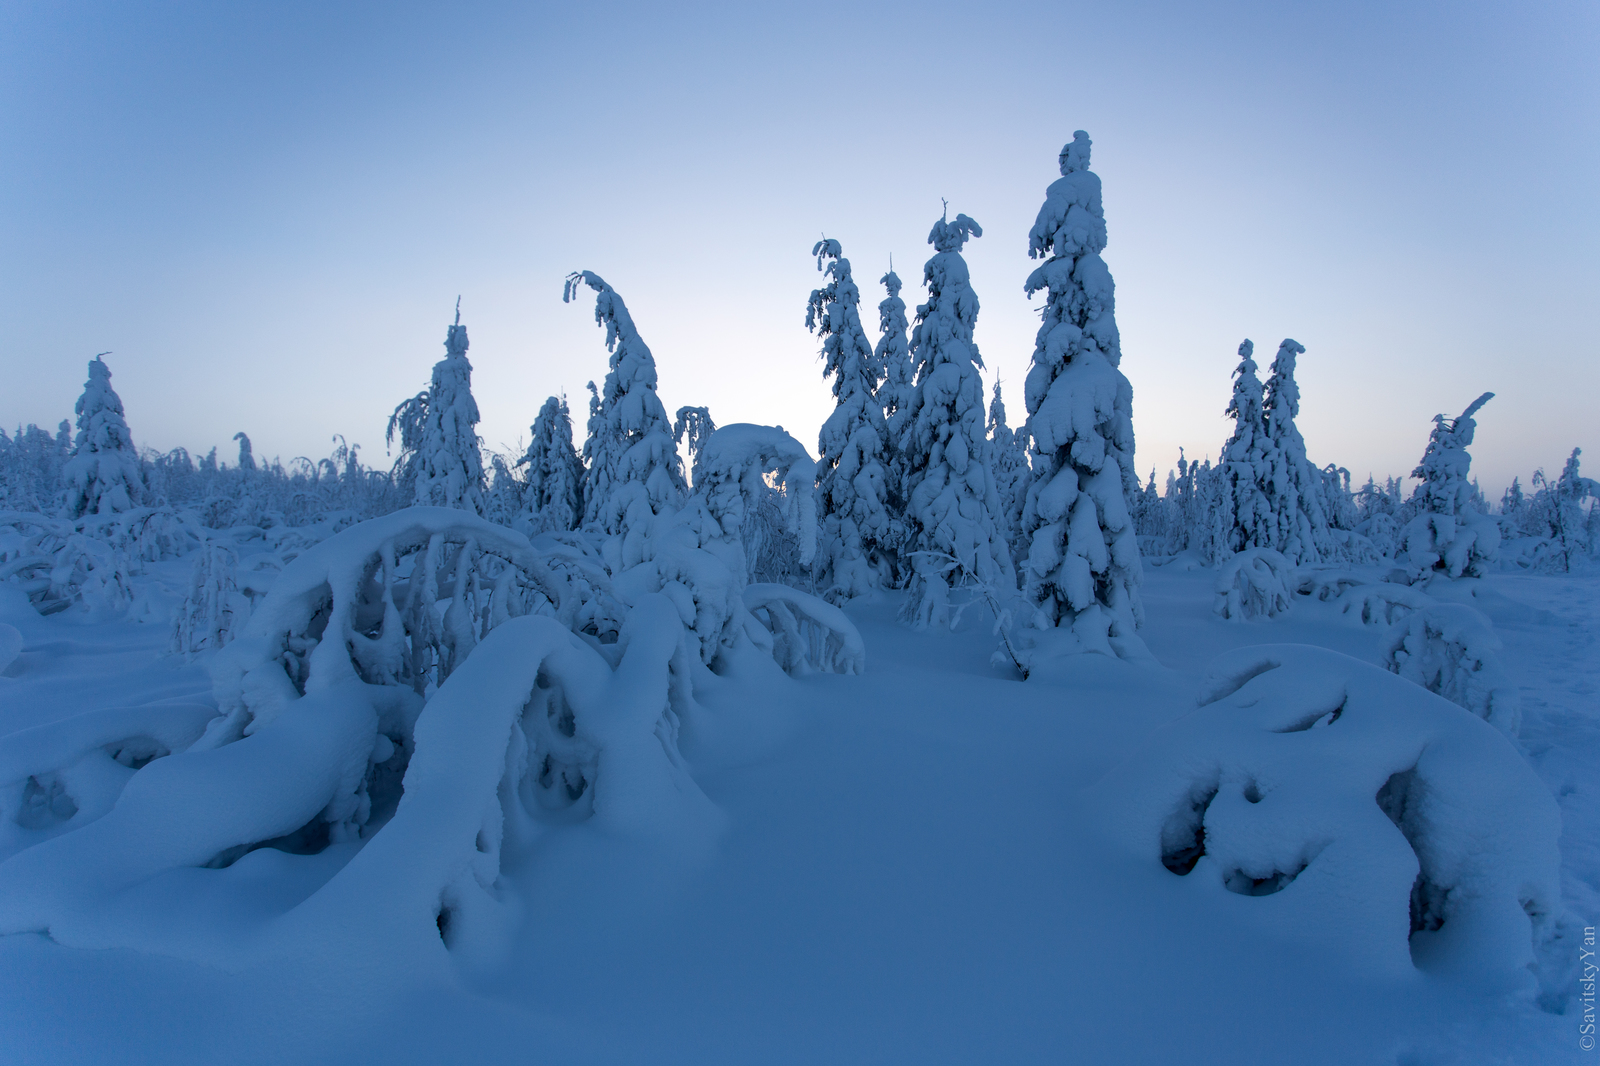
<point>449,458</point>
<point>1083,567</point>
<point>892,362</point>
<point>1449,534</point>
<point>247,458</point>
<point>952,505</point>
<point>1011,473</point>
<point>634,469</point>
<point>852,491</point>
<point>1294,486</point>
<point>553,493</point>
<point>1248,520</point>
<point>103,474</point>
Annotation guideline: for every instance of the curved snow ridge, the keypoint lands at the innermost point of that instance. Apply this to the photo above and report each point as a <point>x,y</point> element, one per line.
<point>1388,826</point>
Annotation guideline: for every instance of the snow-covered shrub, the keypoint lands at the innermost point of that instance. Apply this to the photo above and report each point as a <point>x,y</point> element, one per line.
<point>103,474</point>
<point>1452,649</point>
<point>58,777</point>
<point>852,484</point>
<point>214,610</point>
<point>365,606</point>
<point>696,555</point>
<point>1449,534</point>
<point>1083,566</point>
<point>1387,827</point>
<point>58,566</point>
<point>1382,604</point>
<point>544,727</point>
<point>952,508</point>
<point>1254,583</point>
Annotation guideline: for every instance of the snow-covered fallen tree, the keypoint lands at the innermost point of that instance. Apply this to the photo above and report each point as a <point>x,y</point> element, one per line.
<point>1452,649</point>
<point>1385,825</point>
<point>1254,583</point>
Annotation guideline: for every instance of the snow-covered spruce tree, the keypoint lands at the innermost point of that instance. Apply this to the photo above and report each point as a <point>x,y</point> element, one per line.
<point>247,459</point>
<point>553,497</point>
<point>1449,534</point>
<point>1247,464</point>
<point>1294,486</point>
<point>449,458</point>
<point>103,475</point>
<point>1011,473</point>
<point>852,494</point>
<point>1083,567</point>
<point>634,470</point>
<point>892,362</point>
<point>952,507</point>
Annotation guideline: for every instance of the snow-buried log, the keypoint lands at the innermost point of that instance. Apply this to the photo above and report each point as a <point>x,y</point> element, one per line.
<point>1327,802</point>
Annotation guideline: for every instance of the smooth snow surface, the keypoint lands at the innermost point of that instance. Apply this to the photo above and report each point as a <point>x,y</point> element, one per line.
<point>926,862</point>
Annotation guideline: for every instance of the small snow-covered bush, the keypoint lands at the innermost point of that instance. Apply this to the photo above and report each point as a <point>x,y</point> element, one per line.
<point>58,566</point>
<point>1452,649</point>
<point>1382,604</point>
<point>1387,827</point>
<point>1254,583</point>
<point>214,610</point>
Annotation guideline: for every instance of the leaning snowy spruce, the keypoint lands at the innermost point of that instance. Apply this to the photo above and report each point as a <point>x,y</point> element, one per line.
<point>1083,568</point>
<point>1450,536</point>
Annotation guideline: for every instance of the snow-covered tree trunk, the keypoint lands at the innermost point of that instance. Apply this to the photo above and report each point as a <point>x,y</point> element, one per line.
<point>634,471</point>
<point>1294,486</point>
<point>952,503</point>
<point>103,474</point>
<point>1083,567</point>
<point>450,462</point>
<point>852,489</point>
<point>553,497</point>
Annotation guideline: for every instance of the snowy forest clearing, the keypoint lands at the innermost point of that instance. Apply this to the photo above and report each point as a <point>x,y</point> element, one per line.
<point>909,869</point>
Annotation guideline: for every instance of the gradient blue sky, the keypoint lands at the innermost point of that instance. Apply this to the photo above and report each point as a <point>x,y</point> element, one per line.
<point>267,211</point>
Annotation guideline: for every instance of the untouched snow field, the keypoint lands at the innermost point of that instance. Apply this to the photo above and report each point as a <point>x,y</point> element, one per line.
<point>914,867</point>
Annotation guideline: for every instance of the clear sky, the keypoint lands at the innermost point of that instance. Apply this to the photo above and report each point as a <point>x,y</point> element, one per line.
<point>266,211</point>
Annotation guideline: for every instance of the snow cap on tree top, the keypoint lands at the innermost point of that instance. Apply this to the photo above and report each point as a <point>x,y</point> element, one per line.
<point>947,236</point>
<point>827,248</point>
<point>1247,348</point>
<point>891,281</point>
<point>455,339</point>
<point>1075,154</point>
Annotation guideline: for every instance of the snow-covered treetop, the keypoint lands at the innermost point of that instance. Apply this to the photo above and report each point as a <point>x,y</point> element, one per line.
<point>1283,394</point>
<point>833,313</point>
<point>1444,466</point>
<point>1071,222</point>
<point>247,459</point>
<point>103,475</point>
<point>1247,410</point>
<point>892,356</point>
<point>449,463</point>
<point>945,323</point>
<point>947,236</point>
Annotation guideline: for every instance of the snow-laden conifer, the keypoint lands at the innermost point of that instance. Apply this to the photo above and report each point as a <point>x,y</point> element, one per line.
<point>634,469</point>
<point>1011,472</point>
<point>1449,534</point>
<point>852,493</point>
<point>553,478</point>
<point>892,361</point>
<point>1083,567</point>
<point>449,460</point>
<point>103,475</point>
<point>952,506</point>
<point>1246,464</point>
<point>1294,486</point>
<point>247,459</point>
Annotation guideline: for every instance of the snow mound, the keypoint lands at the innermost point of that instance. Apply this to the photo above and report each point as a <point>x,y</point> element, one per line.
<point>10,645</point>
<point>1452,649</point>
<point>1321,799</point>
<point>1254,583</point>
